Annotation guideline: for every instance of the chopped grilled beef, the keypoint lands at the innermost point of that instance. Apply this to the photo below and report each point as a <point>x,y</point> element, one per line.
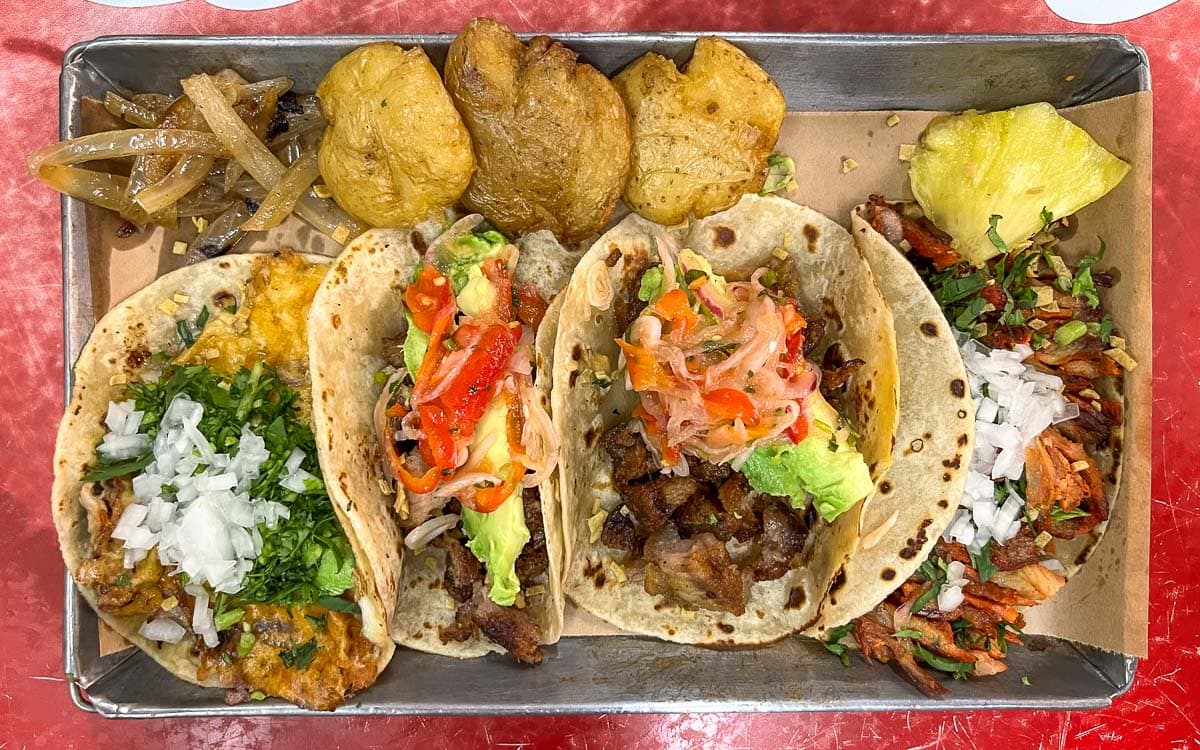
<point>708,472</point>
<point>533,560</point>
<point>813,333</point>
<point>626,308</point>
<point>1007,338</point>
<point>393,350</point>
<point>787,282</point>
<point>632,459</point>
<point>619,533</point>
<point>873,633</point>
<point>702,514</point>
<point>695,573</point>
<point>783,535</point>
<point>463,569</point>
<point>653,502</point>
<point>835,373</point>
<point>739,501</point>
<point>509,627</point>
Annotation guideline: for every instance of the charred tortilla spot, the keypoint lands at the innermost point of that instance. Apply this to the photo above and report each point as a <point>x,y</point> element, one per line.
<point>576,352</point>
<point>962,413</point>
<point>838,581</point>
<point>712,108</point>
<point>591,569</point>
<point>418,242</point>
<point>590,436</point>
<point>963,439</point>
<point>929,329</point>
<point>830,311</point>
<point>795,598</point>
<point>600,580</point>
<point>953,463</point>
<point>946,477</point>
<point>917,445</point>
<point>670,630</point>
<point>614,256</point>
<point>928,435</point>
<point>811,235</point>
<point>888,574</point>
<point>137,357</point>
<point>885,487</point>
<point>943,503</point>
<point>958,388</point>
<point>913,545</point>
<point>723,236</point>
<point>336,321</point>
<point>725,627</point>
<point>1083,555</point>
<point>572,378</point>
<point>224,264</point>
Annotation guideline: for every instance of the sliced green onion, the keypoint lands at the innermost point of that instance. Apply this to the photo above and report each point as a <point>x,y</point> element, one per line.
<point>1070,332</point>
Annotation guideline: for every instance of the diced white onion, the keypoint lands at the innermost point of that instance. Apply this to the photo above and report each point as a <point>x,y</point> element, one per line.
<point>163,630</point>
<point>430,530</point>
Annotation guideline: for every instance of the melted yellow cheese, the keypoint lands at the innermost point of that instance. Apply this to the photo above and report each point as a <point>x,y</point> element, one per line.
<point>270,324</point>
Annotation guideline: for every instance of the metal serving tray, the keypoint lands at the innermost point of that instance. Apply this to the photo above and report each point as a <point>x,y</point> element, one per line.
<point>817,72</point>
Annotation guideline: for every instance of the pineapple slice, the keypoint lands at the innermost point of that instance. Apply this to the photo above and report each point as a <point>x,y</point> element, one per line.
<point>1011,164</point>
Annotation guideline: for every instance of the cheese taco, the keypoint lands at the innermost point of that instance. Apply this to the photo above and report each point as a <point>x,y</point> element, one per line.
<point>431,419</point>
<point>189,502</point>
<point>726,397</point>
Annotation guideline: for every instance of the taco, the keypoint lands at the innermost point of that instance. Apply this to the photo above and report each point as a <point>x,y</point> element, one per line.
<point>1044,366</point>
<point>712,474</point>
<point>188,498</point>
<point>430,411</point>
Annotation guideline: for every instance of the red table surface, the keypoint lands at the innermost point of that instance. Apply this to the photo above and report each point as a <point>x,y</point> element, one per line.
<point>1162,710</point>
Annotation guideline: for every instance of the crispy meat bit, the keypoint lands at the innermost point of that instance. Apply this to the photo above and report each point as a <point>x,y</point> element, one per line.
<point>626,308</point>
<point>393,350</point>
<point>787,277</point>
<point>632,459</point>
<point>619,533</point>
<point>813,333</point>
<point>1052,482</point>
<point>782,540</point>
<point>927,240</point>
<point>997,593</point>
<point>695,573</point>
<point>533,560</point>
<point>508,627</point>
<point>699,515</point>
<point>708,472</point>
<point>833,378</point>
<point>1016,552</point>
<point>873,633</point>
<point>463,569</point>
<point>1036,581</point>
<point>653,502</point>
<point>739,500</point>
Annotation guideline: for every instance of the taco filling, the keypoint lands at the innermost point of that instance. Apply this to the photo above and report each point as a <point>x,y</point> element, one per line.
<point>465,440</point>
<point>207,513</point>
<point>735,448</point>
<point>1045,368</point>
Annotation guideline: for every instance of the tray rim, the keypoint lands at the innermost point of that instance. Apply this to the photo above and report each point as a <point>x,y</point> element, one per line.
<point>107,709</point>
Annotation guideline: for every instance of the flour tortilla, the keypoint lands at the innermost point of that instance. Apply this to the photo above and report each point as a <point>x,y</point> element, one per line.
<point>360,302</point>
<point>138,325</point>
<point>837,284</point>
<point>907,292</point>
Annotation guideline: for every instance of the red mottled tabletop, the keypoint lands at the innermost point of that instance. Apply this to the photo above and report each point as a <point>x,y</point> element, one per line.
<point>1162,709</point>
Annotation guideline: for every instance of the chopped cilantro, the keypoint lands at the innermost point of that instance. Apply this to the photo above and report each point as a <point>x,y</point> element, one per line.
<point>982,562</point>
<point>833,644</point>
<point>907,633</point>
<point>994,235</point>
<point>300,656</point>
<point>1083,285</point>
<point>124,579</point>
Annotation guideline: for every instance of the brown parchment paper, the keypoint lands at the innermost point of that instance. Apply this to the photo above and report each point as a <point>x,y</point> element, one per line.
<point>1105,604</point>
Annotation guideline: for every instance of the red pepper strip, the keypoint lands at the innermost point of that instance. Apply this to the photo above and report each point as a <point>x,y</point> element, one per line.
<point>490,498</point>
<point>726,403</point>
<point>437,447</point>
<point>794,326</point>
<point>798,429</point>
<point>674,306</point>
<point>428,298</point>
<point>497,274</point>
<point>644,370</point>
<point>422,484</point>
